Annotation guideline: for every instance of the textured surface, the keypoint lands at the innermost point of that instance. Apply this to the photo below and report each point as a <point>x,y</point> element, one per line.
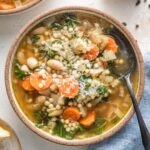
<point>123,10</point>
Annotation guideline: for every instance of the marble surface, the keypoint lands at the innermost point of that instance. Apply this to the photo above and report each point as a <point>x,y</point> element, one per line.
<point>123,10</point>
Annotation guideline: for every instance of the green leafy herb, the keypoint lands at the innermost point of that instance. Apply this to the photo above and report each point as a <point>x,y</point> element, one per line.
<point>70,21</point>
<point>35,38</point>
<point>84,77</point>
<point>46,51</point>
<point>99,126</point>
<point>115,120</point>
<point>74,35</point>
<point>19,73</point>
<point>42,117</point>
<point>66,20</point>
<point>56,26</point>
<point>60,131</point>
<point>67,100</point>
<point>103,91</point>
<point>51,53</point>
<point>87,85</point>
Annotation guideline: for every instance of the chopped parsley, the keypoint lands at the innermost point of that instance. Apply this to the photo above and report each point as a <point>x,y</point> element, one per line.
<point>35,38</point>
<point>103,91</point>
<point>19,73</point>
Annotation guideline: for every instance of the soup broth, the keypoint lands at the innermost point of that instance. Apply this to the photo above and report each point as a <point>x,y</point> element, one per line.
<point>62,77</point>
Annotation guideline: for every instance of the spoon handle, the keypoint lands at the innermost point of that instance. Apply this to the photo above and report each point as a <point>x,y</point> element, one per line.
<point>144,131</point>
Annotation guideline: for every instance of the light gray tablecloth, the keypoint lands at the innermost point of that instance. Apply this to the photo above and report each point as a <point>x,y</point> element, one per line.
<point>129,137</point>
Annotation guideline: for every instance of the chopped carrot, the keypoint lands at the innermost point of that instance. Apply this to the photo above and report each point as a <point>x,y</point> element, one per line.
<point>104,63</point>
<point>40,80</point>
<point>111,45</point>
<point>71,113</point>
<point>5,6</point>
<point>69,87</point>
<point>26,84</point>
<point>89,119</point>
<point>92,54</point>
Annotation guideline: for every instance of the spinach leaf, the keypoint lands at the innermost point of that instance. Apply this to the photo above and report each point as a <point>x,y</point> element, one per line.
<point>103,91</point>
<point>19,73</point>
<point>35,38</point>
<point>84,77</point>
<point>99,126</point>
<point>46,51</point>
<point>42,117</point>
<point>61,131</point>
<point>56,26</point>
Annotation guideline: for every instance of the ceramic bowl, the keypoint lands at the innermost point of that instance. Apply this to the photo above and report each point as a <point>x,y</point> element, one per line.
<point>27,28</point>
<point>19,9</point>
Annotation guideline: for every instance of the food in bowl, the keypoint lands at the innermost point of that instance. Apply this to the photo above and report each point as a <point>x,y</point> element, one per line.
<point>12,4</point>
<point>62,77</point>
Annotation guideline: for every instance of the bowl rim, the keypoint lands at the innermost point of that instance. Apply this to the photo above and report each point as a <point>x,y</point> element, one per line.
<point>19,9</point>
<point>59,140</point>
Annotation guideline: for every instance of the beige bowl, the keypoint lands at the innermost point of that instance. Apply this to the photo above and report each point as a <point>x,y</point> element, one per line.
<point>23,117</point>
<point>15,10</point>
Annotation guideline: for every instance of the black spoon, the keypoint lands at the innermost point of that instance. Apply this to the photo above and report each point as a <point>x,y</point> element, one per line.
<point>124,70</point>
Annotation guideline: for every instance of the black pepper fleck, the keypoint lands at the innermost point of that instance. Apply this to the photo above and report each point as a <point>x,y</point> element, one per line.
<point>136,26</point>
<point>137,2</point>
<point>124,23</point>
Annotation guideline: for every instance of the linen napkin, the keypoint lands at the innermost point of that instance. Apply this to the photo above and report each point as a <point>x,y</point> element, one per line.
<point>129,138</point>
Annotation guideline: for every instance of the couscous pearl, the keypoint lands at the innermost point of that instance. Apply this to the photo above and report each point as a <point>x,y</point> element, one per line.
<point>46,103</point>
<point>62,120</point>
<point>70,103</point>
<point>51,99</point>
<point>65,126</point>
<point>67,121</point>
<point>54,119</point>
<point>58,106</point>
<point>79,105</point>
<point>70,29</point>
<point>68,129</point>
<point>40,85</point>
<point>51,106</point>
<point>89,105</point>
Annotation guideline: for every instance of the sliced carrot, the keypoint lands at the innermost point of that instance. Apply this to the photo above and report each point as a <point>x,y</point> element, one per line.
<point>5,6</point>
<point>69,87</point>
<point>89,119</point>
<point>40,80</point>
<point>92,54</point>
<point>104,63</point>
<point>71,113</point>
<point>26,84</point>
<point>112,45</point>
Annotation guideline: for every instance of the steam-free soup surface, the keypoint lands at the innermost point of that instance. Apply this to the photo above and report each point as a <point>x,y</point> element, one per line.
<point>62,77</point>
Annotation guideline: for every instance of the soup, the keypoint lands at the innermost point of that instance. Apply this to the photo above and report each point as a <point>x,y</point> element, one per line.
<point>11,4</point>
<point>62,77</point>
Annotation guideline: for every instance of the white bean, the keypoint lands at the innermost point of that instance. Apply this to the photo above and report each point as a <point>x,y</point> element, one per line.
<point>55,64</point>
<point>21,57</point>
<point>55,113</point>
<point>32,62</point>
<point>39,30</point>
<point>40,99</point>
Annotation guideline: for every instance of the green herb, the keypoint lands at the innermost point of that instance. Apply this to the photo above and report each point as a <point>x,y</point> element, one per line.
<point>99,126</point>
<point>87,85</point>
<point>70,21</point>
<point>74,35</point>
<point>67,100</point>
<point>51,53</point>
<point>61,131</point>
<point>42,117</point>
<point>19,73</point>
<point>115,120</point>
<point>102,90</point>
<point>57,41</point>
<point>46,51</point>
<point>66,20</point>
<point>56,26</point>
<point>84,77</point>
<point>35,38</point>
